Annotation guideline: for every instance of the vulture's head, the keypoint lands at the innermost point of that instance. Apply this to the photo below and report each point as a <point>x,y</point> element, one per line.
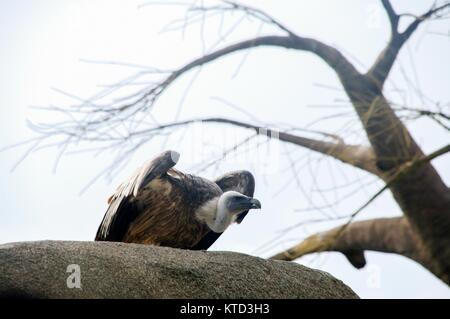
<point>234,202</point>
<point>229,206</point>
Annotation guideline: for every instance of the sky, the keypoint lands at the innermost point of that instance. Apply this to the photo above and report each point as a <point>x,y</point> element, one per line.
<point>46,46</point>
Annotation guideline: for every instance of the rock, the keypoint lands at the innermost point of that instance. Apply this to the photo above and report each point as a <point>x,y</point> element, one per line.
<point>117,270</point>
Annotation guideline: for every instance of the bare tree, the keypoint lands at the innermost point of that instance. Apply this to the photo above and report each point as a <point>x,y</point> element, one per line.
<point>393,156</point>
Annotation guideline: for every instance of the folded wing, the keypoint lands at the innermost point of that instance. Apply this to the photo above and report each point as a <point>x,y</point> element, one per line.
<point>122,210</point>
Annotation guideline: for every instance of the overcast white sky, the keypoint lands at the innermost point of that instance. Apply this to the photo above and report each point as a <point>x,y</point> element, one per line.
<point>42,43</point>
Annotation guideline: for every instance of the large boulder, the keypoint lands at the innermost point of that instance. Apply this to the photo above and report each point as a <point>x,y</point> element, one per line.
<point>62,269</point>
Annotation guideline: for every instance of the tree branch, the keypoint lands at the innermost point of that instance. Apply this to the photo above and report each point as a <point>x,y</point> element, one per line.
<point>393,235</point>
<point>330,55</point>
<point>393,17</point>
<point>356,155</point>
<point>99,116</point>
<point>91,121</point>
<point>248,10</point>
<point>430,13</point>
<point>388,235</point>
<point>385,60</point>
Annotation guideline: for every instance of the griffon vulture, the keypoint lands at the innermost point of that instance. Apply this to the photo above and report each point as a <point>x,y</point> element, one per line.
<point>160,205</point>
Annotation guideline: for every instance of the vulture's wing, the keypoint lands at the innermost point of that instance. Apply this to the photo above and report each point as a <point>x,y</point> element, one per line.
<point>122,211</point>
<point>239,181</point>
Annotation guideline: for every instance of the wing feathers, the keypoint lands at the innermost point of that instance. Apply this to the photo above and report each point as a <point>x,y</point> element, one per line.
<point>121,211</point>
<point>154,168</point>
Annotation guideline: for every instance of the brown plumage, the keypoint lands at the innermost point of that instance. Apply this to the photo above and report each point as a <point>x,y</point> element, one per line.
<point>160,205</point>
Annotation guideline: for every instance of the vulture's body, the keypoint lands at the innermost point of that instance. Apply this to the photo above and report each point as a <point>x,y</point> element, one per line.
<point>160,205</point>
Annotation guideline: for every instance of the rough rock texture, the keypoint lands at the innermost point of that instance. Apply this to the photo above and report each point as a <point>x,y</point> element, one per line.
<point>117,270</point>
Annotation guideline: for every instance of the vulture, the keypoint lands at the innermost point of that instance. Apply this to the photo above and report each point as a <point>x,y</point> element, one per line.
<point>162,206</point>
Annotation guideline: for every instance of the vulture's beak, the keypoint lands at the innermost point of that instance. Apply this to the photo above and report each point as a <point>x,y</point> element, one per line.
<point>242,203</point>
<point>255,203</point>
